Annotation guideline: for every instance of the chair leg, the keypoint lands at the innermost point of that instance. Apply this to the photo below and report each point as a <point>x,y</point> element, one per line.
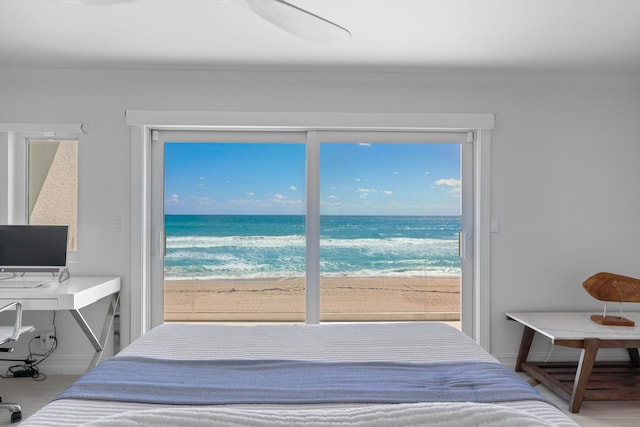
<point>15,409</point>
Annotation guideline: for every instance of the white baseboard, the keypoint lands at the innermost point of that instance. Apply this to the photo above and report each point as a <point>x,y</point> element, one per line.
<point>558,354</point>
<point>67,365</point>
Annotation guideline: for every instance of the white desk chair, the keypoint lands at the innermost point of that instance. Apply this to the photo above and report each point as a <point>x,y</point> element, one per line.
<point>9,334</point>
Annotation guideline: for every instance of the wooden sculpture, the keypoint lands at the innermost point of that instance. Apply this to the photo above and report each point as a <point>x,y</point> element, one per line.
<point>613,287</point>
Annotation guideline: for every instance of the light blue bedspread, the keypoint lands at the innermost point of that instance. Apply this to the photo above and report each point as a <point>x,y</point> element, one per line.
<point>218,382</point>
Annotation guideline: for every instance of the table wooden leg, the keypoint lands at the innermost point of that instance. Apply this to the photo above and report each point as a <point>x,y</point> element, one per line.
<point>634,356</point>
<point>587,359</point>
<point>525,346</point>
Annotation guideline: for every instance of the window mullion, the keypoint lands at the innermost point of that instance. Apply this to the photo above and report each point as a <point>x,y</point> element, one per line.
<point>17,173</point>
<point>313,229</point>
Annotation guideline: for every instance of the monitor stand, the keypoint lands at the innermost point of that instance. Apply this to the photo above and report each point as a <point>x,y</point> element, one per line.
<point>64,274</point>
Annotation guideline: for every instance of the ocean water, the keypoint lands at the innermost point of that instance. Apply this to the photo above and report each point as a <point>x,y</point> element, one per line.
<point>258,246</point>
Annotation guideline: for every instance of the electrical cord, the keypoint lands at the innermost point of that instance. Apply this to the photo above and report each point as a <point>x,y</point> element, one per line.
<point>29,367</point>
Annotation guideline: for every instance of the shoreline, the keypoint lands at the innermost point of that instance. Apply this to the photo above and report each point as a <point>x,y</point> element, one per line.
<point>341,298</point>
<point>282,279</point>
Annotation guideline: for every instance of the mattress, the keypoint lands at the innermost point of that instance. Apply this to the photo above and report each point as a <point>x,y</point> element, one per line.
<point>421,342</point>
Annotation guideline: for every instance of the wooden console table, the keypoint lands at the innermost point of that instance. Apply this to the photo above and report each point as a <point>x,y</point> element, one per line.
<point>585,379</point>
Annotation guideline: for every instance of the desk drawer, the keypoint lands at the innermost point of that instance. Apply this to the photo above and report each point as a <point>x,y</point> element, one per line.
<point>34,303</point>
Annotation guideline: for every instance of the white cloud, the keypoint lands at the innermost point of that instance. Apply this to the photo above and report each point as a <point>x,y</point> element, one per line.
<point>364,192</point>
<point>367,190</point>
<point>250,193</point>
<point>174,199</point>
<point>333,196</point>
<point>387,192</point>
<point>454,184</point>
<point>364,144</point>
<point>450,182</point>
<point>293,188</point>
<point>279,197</point>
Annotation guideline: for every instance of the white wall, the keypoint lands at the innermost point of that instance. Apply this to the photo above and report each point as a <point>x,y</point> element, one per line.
<point>565,167</point>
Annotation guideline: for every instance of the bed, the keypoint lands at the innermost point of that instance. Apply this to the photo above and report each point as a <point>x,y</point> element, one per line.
<point>277,375</point>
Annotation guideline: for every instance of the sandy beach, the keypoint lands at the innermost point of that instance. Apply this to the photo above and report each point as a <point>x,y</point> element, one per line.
<point>341,299</point>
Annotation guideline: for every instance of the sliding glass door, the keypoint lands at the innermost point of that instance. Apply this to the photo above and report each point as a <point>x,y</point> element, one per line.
<point>295,226</point>
<point>235,231</point>
<point>390,221</point>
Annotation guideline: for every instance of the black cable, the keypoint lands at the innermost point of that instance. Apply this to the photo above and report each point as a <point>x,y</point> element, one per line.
<point>30,366</point>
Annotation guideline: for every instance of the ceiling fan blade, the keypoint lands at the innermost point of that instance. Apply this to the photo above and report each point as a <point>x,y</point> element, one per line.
<point>299,22</point>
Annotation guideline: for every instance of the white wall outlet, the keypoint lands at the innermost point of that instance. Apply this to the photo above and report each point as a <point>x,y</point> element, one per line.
<point>46,340</point>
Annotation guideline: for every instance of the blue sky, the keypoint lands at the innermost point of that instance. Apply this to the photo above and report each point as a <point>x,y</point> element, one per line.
<point>356,179</point>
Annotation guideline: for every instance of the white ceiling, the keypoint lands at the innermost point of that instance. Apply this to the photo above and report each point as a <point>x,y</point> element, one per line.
<point>437,35</point>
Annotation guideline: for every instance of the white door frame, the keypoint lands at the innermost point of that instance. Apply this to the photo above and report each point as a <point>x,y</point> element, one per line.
<point>144,245</point>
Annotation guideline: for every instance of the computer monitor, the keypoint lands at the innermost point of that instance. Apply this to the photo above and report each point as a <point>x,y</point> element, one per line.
<point>33,248</point>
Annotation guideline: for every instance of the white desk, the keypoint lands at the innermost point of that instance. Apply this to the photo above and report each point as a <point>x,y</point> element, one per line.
<point>72,295</point>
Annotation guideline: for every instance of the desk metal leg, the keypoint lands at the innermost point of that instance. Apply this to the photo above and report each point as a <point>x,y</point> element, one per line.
<point>98,345</point>
<point>585,366</point>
